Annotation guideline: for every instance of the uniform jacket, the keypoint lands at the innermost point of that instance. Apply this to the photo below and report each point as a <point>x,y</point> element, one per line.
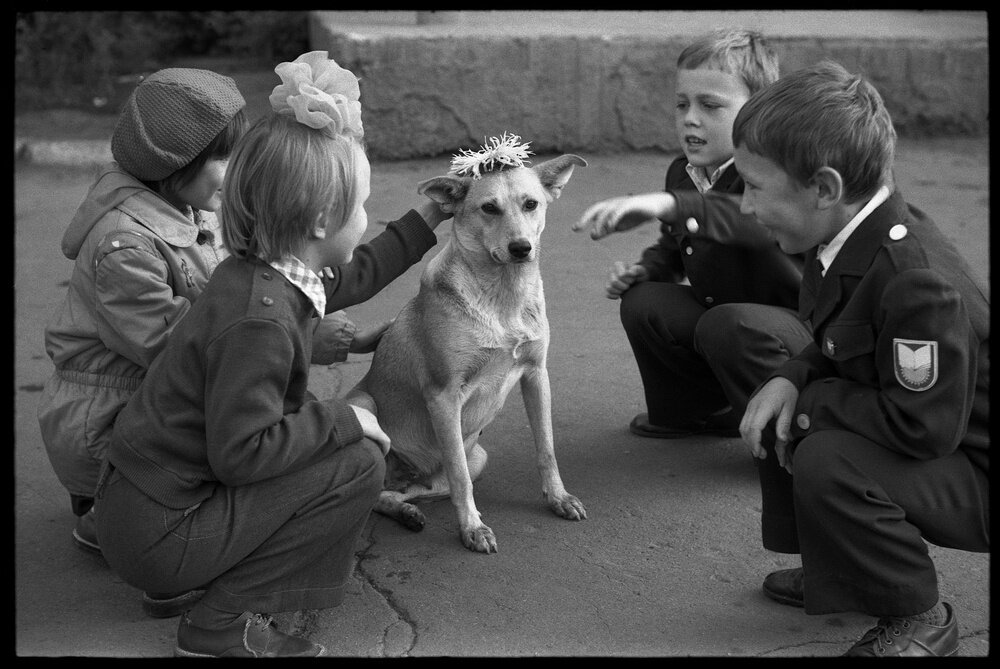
<point>140,263</point>
<point>727,257</point>
<point>901,341</point>
<point>227,403</point>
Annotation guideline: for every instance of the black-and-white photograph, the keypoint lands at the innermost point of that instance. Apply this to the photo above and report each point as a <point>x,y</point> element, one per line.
<point>502,333</point>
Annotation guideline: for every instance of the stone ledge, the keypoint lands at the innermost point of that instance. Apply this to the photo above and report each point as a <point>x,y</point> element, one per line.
<point>601,81</point>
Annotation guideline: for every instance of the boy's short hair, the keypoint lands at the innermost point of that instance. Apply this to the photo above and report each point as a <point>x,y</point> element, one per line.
<point>281,178</point>
<point>822,116</point>
<point>742,53</point>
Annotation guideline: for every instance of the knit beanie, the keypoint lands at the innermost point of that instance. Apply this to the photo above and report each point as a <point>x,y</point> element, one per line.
<point>170,118</point>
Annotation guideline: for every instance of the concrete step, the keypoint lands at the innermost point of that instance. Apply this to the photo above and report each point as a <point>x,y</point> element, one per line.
<point>602,81</point>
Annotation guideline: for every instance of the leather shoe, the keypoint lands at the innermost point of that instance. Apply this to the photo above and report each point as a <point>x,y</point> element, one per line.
<point>785,586</point>
<point>901,637</point>
<point>250,635</point>
<point>722,425</point>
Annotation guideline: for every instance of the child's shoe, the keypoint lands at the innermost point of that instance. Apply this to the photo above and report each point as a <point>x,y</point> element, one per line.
<point>250,635</point>
<point>85,532</point>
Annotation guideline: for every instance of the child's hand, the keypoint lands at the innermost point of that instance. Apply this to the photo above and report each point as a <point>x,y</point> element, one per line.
<point>776,400</point>
<point>432,213</point>
<point>625,213</point>
<point>371,428</point>
<point>332,338</point>
<point>365,341</point>
<point>624,277</point>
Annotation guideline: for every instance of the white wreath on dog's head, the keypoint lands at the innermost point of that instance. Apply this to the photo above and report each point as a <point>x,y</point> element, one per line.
<point>496,152</point>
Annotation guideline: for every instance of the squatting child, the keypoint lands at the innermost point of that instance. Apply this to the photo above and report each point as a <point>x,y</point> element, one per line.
<point>225,474</point>
<point>883,419</point>
<point>709,310</point>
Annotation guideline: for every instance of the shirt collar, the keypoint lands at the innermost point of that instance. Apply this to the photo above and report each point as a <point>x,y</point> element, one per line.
<point>701,180</point>
<point>304,279</point>
<point>827,252</point>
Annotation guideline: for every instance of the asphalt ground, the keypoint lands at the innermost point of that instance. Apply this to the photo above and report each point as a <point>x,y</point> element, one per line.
<point>668,562</point>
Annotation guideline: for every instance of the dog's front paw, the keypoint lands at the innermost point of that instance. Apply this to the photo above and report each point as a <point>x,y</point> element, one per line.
<point>567,506</point>
<point>479,538</point>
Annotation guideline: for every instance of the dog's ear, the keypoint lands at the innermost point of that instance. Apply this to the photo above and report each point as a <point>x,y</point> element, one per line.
<point>556,172</point>
<point>447,191</point>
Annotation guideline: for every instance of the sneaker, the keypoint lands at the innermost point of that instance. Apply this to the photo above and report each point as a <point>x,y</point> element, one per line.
<point>165,605</point>
<point>785,586</point>
<point>901,637</point>
<point>85,532</point>
<point>721,425</point>
<point>250,635</point>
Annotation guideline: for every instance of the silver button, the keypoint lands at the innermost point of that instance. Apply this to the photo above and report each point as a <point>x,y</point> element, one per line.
<point>267,301</point>
<point>266,275</point>
<point>709,300</point>
<point>802,421</point>
<point>692,225</point>
<point>688,250</point>
<point>897,232</point>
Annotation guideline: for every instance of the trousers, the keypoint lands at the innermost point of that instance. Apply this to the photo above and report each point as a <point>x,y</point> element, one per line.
<point>281,544</point>
<point>696,360</point>
<point>861,516</point>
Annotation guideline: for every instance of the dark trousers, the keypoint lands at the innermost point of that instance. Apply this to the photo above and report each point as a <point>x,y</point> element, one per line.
<point>860,514</point>
<point>695,360</point>
<point>283,544</point>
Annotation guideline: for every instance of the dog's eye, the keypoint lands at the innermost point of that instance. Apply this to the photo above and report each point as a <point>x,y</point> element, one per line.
<point>491,209</point>
<point>531,205</point>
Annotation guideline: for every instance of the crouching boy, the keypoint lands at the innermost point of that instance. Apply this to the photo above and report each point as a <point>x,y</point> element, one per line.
<point>875,437</point>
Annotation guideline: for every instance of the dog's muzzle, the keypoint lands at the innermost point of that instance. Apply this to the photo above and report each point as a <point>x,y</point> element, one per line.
<point>519,250</point>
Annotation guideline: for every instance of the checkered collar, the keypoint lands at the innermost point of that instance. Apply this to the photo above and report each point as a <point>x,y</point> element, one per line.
<point>302,278</point>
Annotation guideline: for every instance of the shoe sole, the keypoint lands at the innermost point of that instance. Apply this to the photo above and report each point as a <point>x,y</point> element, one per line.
<point>639,432</point>
<point>83,544</point>
<point>169,608</point>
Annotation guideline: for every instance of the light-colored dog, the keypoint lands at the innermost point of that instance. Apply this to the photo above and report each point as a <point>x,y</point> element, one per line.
<point>477,326</point>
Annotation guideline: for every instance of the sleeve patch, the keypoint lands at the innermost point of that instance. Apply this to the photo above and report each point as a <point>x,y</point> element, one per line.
<point>915,363</point>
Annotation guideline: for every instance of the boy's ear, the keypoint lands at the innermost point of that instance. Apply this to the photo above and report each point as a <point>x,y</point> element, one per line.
<point>829,187</point>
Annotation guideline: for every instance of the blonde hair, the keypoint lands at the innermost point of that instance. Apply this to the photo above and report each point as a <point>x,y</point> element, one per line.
<point>741,53</point>
<point>822,116</point>
<point>281,178</point>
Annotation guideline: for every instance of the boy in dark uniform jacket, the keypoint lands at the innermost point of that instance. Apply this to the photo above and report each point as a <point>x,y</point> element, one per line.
<point>886,410</point>
<point>709,310</point>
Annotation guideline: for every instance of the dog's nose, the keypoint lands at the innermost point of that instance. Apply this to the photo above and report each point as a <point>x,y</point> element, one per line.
<point>519,248</point>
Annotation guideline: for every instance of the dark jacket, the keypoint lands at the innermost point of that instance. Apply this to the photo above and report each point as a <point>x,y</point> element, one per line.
<point>901,341</point>
<point>727,257</point>
<point>227,402</point>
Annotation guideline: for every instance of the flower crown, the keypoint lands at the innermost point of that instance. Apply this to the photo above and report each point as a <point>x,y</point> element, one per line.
<point>320,94</point>
<point>495,154</point>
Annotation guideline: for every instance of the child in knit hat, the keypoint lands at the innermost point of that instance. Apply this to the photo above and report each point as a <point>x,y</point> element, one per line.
<point>144,243</point>
<point>223,469</point>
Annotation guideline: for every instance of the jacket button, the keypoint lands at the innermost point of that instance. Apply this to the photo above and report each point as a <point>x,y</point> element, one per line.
<point>670,228</point>
<point>709,300</point>
<point>266,275</point>
<point>688,250</point>
<point>267,301</point>
<point>802,421</point>
<point>692,225</point>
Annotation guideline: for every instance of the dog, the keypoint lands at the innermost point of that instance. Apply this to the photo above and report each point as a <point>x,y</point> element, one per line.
<point>442,372</point>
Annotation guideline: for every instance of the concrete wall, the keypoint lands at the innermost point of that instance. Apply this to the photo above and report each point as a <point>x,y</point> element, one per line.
<point>603,81</point>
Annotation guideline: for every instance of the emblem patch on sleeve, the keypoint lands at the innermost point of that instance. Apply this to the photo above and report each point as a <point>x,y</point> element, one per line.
<point>915,363</point>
